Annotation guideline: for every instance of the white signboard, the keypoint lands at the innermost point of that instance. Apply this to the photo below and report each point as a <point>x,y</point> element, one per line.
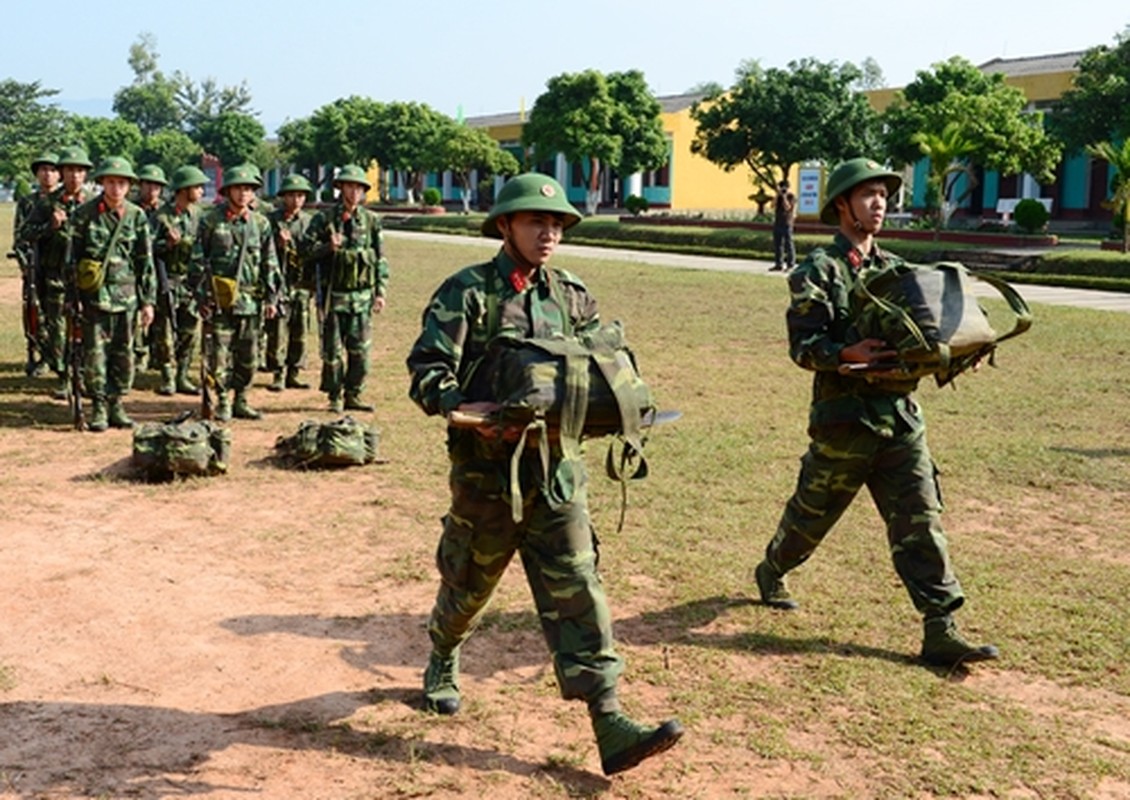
<point>808,193</point>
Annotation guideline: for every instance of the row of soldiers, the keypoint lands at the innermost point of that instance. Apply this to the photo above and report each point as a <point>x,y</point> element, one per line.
<point>99,270</point>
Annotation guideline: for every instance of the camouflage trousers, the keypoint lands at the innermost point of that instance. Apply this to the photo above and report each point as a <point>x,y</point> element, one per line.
<point>107,339</point>
<point>286,336</point>
<point>169,348</point>
<point>234,352</point>
<point>347,338</point>
<point>558,549</point>
<point>53,328</point>
<point>902,479</point>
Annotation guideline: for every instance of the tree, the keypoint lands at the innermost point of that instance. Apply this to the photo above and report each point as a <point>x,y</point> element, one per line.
<point>1097,107</point>
<point>108,137</point>
<point>1119,159</point>
<point>946,152</point>
<point>232,137</point>
<point>150,101</point>
<point>872,77</point>
<point>296,146</point>
<point>409,137</point>
<point>603,123</point>
<point>169,149</point>
<point>772,119</point>
<point>28,126</point>
<point>205,102</point>
<point>981,110</point>
<point>466,150</point>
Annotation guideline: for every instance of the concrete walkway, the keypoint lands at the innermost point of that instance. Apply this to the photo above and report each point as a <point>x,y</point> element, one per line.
<point>1050,295</point>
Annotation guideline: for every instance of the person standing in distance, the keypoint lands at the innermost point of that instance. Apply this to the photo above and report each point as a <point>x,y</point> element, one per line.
<point>344,242</point>
<point>866,428</point>
<point>518,294</point>
<point>784,221</point>
<point>116,281</point>
<point>45,168</point>
<point>286,333</point>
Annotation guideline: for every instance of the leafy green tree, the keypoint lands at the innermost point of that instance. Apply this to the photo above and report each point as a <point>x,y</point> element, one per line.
<point>1097,107</point>
<point>108,137</point>
<point>409,137</point>
<point>296,146</point>
<point>202,103</point>
<point>1119,159</point>
<point>169,149</point>
<point>601,122</point>
<point>150,101</point>
<point>342,132</point>
<point>28,126</point>
<point>467,150</point>
<point>988,116</point>
<point>772,119</point>
<point>231,136</point>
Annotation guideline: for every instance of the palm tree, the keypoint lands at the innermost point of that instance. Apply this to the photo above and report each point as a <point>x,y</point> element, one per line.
<point>946,151</point>
<point>1119,158</point>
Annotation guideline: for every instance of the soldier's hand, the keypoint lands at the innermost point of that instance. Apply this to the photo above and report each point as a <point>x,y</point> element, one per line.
<point>173,236</point>
<point>379,304</point>
<point>271,311</point>
<point>284,236</point>
<point>145,315</point>
<point>868,351</point>
<point>58,217</point>
<point>335,241</point>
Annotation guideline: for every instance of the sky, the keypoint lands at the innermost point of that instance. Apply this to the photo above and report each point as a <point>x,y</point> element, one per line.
<point>495,56</point>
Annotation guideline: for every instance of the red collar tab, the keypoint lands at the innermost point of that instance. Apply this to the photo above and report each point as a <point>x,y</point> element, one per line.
<point>854,258</point>
<point>230,214</point>
<point>519,279</point>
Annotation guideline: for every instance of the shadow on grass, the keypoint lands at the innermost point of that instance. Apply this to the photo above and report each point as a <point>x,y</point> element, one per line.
<point>1102,452</point>
<point>88,749</point>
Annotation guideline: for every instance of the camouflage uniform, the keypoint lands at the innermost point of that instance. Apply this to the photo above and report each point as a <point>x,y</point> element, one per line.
<point>24,243</point>
<point>108,311</point>
<point>239,248</point>
<point>170,354</point>
<point>52,242</point>
<point>297,283</point>
<point>863,433</point>
<point>349,281</point>
<point>555,539</point>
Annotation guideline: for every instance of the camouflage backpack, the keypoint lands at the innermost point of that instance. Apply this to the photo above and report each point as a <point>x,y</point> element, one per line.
<point>181,447</point>
<point>342,443</point>
<point>929,314</point>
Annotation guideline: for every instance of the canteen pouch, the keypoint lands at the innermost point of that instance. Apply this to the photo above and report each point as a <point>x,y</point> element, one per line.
<point>89,275</point>
<point>226,292</point>
<point>929,314</point>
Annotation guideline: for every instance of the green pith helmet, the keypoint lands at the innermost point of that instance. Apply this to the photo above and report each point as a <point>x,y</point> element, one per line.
<point>295,183</point>
<point>188,176</point>
<point>152,174</point>
<point>351,173</point>
<point>850,174</point>
<point>530,192</point>
<point>114,167</point>
<point>45,157</point>
<point>74,156</point>
<point>254,171</point>
<point>241,175</point>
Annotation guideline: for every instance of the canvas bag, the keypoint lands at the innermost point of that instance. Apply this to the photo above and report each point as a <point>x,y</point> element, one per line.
<point>181,447</point>
<point>929,314</point>
<point>344,442</point>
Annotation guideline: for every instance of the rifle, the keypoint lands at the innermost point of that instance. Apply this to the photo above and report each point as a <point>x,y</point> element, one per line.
<point>27,256</point>
<point>165,292</point>
<point>207,342</point>
<point>73,305</point>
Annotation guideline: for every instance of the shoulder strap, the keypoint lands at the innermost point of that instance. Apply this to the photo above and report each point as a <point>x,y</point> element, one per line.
<point>114,237</point>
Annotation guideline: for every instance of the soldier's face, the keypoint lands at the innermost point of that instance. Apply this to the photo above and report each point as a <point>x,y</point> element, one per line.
<point>149,192</point>
<point>239,196</point>
<point>47,175</point>
<point>73,178</point>
<point>532,235</point>
<point>865,207</point>
<point>352,194</point>
<point>190,195</point>
<point>293,201</point>
<point>115,189</point>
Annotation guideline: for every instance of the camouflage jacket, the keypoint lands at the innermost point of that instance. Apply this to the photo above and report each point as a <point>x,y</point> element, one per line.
<point>291,257</point>
<point>186,222</point>
<point>465,313</point>
<point>23,211</point>
<point>820,322</point>
<point>39,227</point>
<point>220,240</point>
<point>127,268</point>
<point>357,270</point>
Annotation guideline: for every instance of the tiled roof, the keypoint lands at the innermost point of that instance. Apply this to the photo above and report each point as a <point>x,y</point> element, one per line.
<point>669,105</point>
<point>1034,65</point>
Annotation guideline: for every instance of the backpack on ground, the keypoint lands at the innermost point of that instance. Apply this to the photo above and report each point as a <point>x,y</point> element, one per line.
<point>181,447</point>
<point>929,314</point>
<point>344,442</point>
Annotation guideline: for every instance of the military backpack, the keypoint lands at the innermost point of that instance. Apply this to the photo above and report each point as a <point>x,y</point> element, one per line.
<point>344,442</point>
<point>181,447</point>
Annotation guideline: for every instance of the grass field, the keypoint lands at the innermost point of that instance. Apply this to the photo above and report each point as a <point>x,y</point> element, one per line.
<point>1035,462</point>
